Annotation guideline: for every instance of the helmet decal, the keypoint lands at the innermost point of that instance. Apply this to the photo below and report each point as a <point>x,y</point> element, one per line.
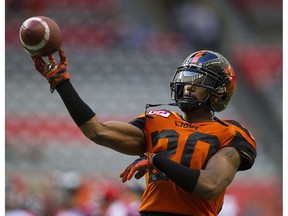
<point>197,56</point>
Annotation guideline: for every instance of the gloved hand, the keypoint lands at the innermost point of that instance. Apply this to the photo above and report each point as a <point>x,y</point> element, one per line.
<point>53,72</point>
<point>141,165</point>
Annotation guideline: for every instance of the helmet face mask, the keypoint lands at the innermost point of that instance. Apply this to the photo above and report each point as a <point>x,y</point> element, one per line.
<point>209,70</point>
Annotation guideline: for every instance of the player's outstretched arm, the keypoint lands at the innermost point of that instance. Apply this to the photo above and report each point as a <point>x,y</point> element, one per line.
<point>119,136</point>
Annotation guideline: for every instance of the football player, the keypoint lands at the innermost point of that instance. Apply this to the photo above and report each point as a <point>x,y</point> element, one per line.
<point>188,159</point>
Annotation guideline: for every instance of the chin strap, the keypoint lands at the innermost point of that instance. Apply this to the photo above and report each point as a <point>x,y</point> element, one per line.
<point>217,119</point>
<point>191,104</point>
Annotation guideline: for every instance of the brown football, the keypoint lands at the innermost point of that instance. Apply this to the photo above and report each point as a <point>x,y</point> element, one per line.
<point>40,35</point>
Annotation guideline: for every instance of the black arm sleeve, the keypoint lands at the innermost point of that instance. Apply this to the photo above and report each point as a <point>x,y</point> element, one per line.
<point>78,109</point>
<point>182,176</point>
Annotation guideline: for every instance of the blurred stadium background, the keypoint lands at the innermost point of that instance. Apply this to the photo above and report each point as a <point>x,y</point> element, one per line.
<point>122,55</point>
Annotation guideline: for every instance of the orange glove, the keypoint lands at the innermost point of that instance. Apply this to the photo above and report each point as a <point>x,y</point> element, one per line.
<point>141,165</point>
<point>53,72</point>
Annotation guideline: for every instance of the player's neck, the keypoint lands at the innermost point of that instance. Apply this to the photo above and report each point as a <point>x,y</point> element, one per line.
<point>197,116</point>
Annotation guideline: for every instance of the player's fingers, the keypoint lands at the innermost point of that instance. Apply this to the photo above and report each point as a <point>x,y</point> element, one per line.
<point>51,59</point>
<point>123,173</point>
<point>39,63</point>
<point>52,63</point>
<point>131,173</point>
<point>124,177</point>
<point>33,58</point>
<point>40,60</point>
<point>141,165</point>
<point>140,174</point>
<point>127,169</point>
<point>37,59</point>
<point>63,58</point>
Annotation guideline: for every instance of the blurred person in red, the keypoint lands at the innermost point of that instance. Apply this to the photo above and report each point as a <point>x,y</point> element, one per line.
<point>112,203</point>
<point>188,159</point>
<point>120,201</point>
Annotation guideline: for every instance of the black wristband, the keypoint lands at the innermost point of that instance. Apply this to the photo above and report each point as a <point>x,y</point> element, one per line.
<point>78,109</point>
<point>183,176</point>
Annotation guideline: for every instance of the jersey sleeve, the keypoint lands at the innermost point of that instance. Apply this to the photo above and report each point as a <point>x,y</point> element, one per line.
<point>245,145</point>
<point>139,122</point>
